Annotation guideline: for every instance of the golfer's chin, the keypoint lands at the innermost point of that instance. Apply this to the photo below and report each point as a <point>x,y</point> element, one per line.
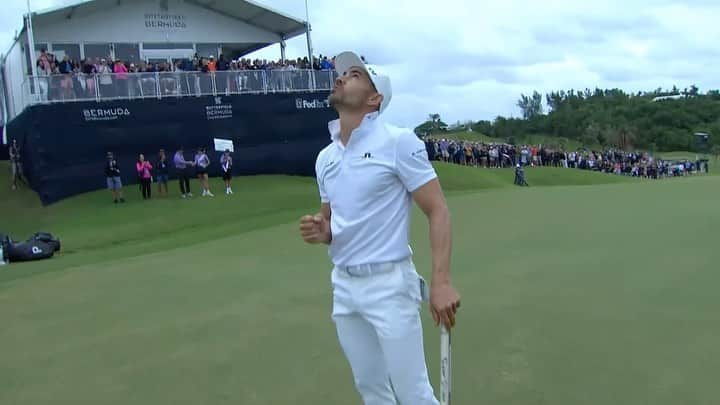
<point>334,99</point>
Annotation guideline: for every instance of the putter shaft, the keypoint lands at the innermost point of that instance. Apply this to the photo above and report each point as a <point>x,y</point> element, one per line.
<point>445,366</point>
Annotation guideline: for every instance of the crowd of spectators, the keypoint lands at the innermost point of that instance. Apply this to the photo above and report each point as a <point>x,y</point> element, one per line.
<point>614,161</point>
<point>69,79</point>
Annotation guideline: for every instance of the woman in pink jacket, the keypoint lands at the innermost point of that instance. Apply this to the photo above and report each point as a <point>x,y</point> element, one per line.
<point>144,171</point>
<point>121,79</point>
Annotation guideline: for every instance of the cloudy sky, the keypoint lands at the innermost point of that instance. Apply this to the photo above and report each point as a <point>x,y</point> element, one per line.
<point>472,59</point>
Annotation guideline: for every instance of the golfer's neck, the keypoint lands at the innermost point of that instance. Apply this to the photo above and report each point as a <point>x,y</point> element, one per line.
<point>349,121</point>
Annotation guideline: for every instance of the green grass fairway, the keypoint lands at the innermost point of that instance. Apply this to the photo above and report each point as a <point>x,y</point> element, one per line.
<point>595,289</point>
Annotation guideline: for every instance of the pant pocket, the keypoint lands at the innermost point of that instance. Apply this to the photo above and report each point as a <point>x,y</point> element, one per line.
<point>340,297</point>
<point>413,282</point>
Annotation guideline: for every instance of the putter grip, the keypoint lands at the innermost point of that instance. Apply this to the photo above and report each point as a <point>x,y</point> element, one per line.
<point>445,366</point>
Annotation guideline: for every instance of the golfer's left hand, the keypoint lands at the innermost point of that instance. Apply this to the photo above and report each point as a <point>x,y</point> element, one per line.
<point>444,303</point>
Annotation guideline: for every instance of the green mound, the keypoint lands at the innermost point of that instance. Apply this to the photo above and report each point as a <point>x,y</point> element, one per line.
<point>259,196</point>
<point>462,179</point>
<point>93,229</point>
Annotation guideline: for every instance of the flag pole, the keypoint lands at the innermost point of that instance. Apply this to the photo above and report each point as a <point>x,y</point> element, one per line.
<point>308,29</point>
<point>31,46</point>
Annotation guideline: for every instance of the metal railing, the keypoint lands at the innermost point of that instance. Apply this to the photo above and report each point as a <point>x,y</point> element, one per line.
<point>62,88</point>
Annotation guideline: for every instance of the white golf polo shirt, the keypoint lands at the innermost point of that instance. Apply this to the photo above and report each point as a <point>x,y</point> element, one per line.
<point>368,184</point>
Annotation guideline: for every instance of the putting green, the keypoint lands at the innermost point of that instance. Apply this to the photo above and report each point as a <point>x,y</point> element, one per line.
<point>592,294</point>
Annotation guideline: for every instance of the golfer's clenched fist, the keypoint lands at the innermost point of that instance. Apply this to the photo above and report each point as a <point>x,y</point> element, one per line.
<point>315,229</point>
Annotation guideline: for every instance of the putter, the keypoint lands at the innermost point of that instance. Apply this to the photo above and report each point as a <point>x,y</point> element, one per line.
<point>445,366</point>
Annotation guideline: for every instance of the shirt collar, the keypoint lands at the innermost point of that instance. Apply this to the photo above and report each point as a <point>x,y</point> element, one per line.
<point>334,125</point>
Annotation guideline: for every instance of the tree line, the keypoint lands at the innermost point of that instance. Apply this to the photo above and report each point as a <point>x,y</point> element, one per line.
<point>659,120</point>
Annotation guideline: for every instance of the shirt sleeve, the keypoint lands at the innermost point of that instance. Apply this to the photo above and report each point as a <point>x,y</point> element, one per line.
<point>318,175</point>
<point>412,163</point>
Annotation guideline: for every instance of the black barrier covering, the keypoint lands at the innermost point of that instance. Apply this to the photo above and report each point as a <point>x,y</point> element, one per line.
<point>63,146</point>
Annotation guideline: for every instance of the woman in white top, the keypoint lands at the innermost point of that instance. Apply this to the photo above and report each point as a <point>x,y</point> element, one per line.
<point>107,90</point>
<point>202,161</point>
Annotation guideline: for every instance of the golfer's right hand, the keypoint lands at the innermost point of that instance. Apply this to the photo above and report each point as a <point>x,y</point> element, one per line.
<point>315,229</point>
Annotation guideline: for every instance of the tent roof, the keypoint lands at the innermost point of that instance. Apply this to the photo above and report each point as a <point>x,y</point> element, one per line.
<point>247,11</point>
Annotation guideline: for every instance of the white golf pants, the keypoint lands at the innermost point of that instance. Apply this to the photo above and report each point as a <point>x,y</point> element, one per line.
<point>377,318</point>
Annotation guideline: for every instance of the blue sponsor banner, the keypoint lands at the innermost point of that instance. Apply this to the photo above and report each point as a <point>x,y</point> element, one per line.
<point>63,146</point>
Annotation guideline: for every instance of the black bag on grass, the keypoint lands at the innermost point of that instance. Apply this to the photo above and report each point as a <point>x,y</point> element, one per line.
<point>48,238</point>
<point>28,251</point>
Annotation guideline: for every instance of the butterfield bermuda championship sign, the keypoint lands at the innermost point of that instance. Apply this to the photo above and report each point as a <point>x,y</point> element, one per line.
<point>165,21</point>
<point>218,111</point>
<point>105,114</point>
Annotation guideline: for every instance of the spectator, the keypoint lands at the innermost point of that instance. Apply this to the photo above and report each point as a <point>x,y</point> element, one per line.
<point>181,165</point>
<point>65,68</point>
<point>226,163</point>
<point>89,70</point>
<point>44,70</point>
<point>112,174</point>
<point>106,80</point>
<point>326,64</point>
<point>202,161</point>
<point>144,172</point>
<point>162,173</point>
<point>16,165</point>
<point>222,63</point>
<point>221,79</point>
<point>444,150</point>
<point>121,78</point>
<point>520,176</point>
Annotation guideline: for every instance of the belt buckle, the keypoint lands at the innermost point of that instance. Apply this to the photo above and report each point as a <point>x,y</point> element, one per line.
<point>349,271</point>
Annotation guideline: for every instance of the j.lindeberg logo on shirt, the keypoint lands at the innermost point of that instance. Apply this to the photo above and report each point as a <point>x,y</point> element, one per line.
<point>367,155</point>
<point>418,152</point>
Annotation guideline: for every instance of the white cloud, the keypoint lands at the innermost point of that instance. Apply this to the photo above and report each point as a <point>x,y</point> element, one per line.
<point>471,59</point>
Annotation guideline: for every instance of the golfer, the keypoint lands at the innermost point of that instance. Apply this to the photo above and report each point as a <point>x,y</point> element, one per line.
<point>368,177</point>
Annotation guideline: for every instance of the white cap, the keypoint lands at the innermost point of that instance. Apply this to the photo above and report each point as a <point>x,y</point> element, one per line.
<point>347,60</point>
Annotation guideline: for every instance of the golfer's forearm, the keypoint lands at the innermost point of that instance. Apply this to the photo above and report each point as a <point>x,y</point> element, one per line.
<point>441,245</point>
<point>326,213</point>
